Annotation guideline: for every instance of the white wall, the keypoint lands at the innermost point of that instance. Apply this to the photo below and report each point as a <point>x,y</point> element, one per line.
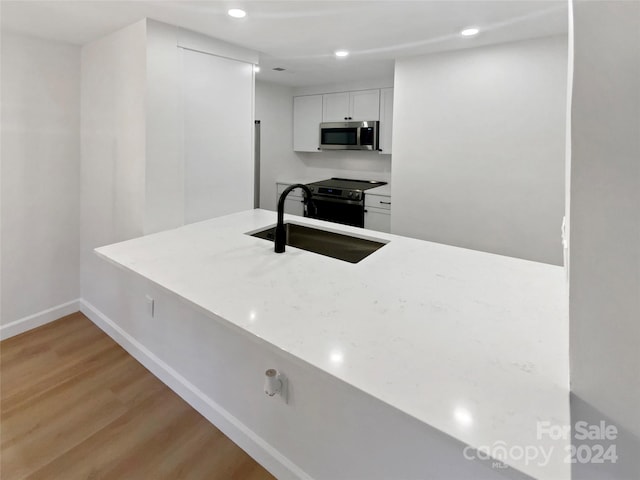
<point>164,165</point>
<point>218,135</point>
<point>175,192</point>
<point>347,164</point>
<point>605,226</point>
<point>113,147</point>
<point>133,138</point>
<point>478,153</point>
<point>274,109</point>
<point>40,177</point>
<point>364,84</point>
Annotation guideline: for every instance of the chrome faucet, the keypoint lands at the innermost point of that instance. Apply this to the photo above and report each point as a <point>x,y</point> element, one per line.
<point>281,234</point>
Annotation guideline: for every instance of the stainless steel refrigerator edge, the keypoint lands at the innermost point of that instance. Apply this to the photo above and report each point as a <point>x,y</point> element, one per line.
<point>256,169</point>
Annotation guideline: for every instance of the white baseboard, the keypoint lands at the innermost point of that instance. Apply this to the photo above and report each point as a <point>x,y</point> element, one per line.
<point>38,319</point>
<point>270,458</point>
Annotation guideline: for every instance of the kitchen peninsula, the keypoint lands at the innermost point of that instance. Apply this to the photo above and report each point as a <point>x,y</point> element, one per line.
<point>397,362</point>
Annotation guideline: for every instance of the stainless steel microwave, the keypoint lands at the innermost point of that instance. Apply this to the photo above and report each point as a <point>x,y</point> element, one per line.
<point>349,135</point>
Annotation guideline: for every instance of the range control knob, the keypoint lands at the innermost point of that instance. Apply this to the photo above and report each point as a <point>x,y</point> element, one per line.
<point>350,194</point>
<point>313,189</point>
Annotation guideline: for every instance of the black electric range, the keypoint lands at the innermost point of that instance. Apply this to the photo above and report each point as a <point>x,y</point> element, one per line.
<point>340,200</point>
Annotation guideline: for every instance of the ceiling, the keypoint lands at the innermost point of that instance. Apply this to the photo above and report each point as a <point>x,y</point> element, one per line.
<point>301,35</point>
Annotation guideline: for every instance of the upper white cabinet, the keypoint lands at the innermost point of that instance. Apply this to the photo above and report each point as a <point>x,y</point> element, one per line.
<point>309,111</point>
<point>386,119</point>
<point>335,107</point>
<point>358,105</point>
<point>307,116</point>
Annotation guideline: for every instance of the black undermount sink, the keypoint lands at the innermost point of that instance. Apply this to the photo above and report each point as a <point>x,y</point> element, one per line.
<point>331,244</point>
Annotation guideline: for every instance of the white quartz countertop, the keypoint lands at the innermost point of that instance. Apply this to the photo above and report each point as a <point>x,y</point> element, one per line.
<point>303,180</point>
<point>471,343</point>
<point>383,190</point>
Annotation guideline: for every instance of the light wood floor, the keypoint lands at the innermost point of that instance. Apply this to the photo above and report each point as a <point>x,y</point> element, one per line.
<point>75,405</point>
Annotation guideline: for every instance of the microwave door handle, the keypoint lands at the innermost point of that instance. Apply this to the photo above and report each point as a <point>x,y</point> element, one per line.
<point>359,129</point>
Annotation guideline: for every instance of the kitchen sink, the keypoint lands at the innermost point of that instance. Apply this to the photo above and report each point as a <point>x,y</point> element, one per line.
<point>331,244</point>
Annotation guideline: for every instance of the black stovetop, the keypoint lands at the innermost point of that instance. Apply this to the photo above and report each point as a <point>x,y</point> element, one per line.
<point>348,184</point>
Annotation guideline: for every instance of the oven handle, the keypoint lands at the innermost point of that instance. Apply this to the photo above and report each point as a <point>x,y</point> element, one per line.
<point>317,198</point>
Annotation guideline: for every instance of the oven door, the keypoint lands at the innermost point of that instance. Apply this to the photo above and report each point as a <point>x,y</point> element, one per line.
<point>347,212</point>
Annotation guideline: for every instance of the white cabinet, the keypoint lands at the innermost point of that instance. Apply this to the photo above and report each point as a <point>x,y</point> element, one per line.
<point>386,120</point>
<point>358,105</point>
<point>311,110</point>
<point>335,107</point>
<point>377,215</point>
<point>378,220</point>
<point>307,116</point>
<point>364,105</point>
<point>294,203</point>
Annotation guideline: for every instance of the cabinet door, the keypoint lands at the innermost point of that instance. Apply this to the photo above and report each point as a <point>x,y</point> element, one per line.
<point>377,219</point>
<point>281,187</point>
<point>364,105</point>
<point>294,206</point>
<point>335,107</point>
<point>386,119</point>
<point>294,203</point>
<point>307,116</point>
<point>377,201</point>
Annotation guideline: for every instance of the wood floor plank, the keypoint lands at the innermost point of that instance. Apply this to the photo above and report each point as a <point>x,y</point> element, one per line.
<point>75,405</point>
<point>57,377</point>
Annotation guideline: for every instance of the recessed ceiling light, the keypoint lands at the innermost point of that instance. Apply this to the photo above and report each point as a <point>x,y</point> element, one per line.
<point>341,53</point>
<point>469,32</point>
<point>237,13</point>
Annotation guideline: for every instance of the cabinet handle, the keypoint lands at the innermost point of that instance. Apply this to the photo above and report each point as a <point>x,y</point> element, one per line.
<point>319,148</point>
<point>346,118</point>
<point>350,118</point>
<point>366,211</point>
<point>385,203</point>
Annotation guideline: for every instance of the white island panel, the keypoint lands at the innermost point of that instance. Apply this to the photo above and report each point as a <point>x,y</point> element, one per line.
<point>472,344</point>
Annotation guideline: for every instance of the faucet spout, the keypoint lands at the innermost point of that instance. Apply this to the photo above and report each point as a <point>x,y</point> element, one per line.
<point>281,234</point>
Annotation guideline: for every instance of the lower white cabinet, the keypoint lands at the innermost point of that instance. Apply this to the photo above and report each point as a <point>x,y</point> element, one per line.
<point>376,219</point>
<point>294,203</point>
<point>294,206</point>
<point>377,214</point>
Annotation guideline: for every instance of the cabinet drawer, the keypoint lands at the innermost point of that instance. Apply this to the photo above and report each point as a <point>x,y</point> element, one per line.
<point>377,201</point>
<point>295,193</point>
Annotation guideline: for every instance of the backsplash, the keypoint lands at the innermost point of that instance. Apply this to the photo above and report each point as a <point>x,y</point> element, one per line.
<point>347,164</point>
